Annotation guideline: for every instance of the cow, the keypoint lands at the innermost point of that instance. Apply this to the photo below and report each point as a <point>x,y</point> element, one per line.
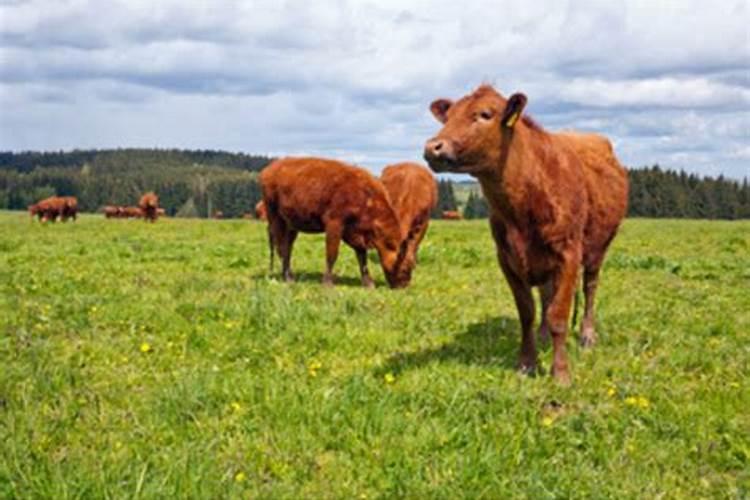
<point>556,202</point>
<point>131,212</point>
<point>49,209</point>
<point>260,211</point>
<point>218,214</point>
<point>450,215</point>
<point>149,205</point>
<point>69,208</point>
<point>413,193</point>
<point>315,195</point>
<point>111,211</point>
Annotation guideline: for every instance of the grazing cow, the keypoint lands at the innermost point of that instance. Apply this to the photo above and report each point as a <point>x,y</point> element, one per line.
<point>111,211</point>
<point>315,195</point>
<point>556,202</point>
<point>413,192</point>
<point>149,205</point>
<point>48,209</point>
<point>451,215</point>
<point>131,212</point>
<point>260,211</point>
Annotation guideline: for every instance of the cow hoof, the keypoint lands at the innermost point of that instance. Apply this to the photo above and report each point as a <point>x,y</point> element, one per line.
<point>588,338</point>
<point>527,367</point>
<point>561,376</point>
<point>289,278</point>
<point>328,282</point>
<point>368,283</point>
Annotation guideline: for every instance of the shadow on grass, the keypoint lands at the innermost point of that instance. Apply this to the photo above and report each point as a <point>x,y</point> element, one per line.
<point>317,277</point>
<point>494,341</point>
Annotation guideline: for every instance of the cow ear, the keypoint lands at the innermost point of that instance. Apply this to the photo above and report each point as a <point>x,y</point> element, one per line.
<point>440,109</point>
<point>513,110</point>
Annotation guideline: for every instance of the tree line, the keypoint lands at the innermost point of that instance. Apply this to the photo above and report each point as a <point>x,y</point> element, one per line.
<point>200,183</point>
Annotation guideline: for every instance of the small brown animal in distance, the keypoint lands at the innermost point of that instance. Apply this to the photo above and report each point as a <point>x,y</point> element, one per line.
<point>451,215</point>
<point>413,193</point>
<point>54,207</point>
<point>131,212</point>
<point>149,205</point>
<point>260,211</point>
<point>111,211</point>
<point>556,202</point>
<point>315,195</point>
<point>218,214</point>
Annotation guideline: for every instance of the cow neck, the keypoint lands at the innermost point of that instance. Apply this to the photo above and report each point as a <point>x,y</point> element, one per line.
<point>506,184</point>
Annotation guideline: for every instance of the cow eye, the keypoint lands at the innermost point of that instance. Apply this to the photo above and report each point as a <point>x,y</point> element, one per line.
<point>486,114</point>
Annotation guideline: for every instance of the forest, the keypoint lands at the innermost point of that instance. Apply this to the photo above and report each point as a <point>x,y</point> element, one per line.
<point>199,183</point>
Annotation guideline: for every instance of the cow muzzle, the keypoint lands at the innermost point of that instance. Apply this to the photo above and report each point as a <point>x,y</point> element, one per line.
<point>440,154</point>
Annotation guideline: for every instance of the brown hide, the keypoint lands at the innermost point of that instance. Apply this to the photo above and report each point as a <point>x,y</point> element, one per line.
<point>149,205</point>
<point>131,212</point>
<point>450,215</point>
<point>111,211</point>
<point>556,201</point>
<point>260,211</point>
<point>49,209</point>
<point>315,195</point>
<point>413,193</point>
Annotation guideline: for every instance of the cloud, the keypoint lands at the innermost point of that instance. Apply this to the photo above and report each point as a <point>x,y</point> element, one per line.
<point>668,82</point>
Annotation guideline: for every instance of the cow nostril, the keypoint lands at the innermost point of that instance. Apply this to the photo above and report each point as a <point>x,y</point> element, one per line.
<point>438,146</point>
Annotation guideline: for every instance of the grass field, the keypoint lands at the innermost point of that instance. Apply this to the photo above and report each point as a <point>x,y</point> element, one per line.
<point>164,361</point>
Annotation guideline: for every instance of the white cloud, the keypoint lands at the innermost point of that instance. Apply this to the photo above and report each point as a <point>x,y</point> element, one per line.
<point>667,81</point>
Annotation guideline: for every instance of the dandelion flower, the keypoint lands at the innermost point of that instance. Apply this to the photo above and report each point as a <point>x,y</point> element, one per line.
<point>547,421</point>
<point>239,477</point>
<point>236,406</point>
<point>389,378</point>
<point>145,347</point>
<point>611,392</point>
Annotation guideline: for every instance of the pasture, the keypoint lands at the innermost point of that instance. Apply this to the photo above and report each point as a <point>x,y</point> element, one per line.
<point>162,360</point>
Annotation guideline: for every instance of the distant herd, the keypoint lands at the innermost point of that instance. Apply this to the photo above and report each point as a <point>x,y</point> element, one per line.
<point>556,201</point>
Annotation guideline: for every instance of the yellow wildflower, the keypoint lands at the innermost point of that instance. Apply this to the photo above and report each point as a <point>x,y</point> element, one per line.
<point>313,367</point>
<point>547,421</point>
<point>145,347</point>
<point>239,477</point>
<point>611,392</point>
<point>389,378</point>
<point>236,406</point>
<point>631,401</point>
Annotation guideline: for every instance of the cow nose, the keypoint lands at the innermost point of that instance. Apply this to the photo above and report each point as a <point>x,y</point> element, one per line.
<point>438,149</point>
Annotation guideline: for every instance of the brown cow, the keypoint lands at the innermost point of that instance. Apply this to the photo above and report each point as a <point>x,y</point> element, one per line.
<point>149,205</point>
<point>556,202</point>
<point>69,208</point>
<point>260,211</point>
<point>218,214</point>
<point>315,195</point>
<point>49,209</point>
<point>451,215</point>
<point>131,212</point>
<point>413,192</point>
<point>111,211</point>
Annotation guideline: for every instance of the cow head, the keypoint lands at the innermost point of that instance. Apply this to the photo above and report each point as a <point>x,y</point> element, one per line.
<point>393,249</point>
<point>471,139</point>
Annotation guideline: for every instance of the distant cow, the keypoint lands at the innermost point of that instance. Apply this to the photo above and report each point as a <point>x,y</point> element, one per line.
<point>111,211</point>
<point>413,193</point>
<point>131,212</point>
<point>260,211</point>
<point>556,202</point>
<point>69,208</point>
<point>450,215</point>
<point>315,195</point>
<point>50,209</point>
<point>218,214</point>
<point>149,205</point>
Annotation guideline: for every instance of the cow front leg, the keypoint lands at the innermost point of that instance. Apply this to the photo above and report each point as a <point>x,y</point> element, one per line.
<point>527,359</point>
<point>545,293</point>
<point>363,271</point>
<point>333,240</point>
<point>558,312</point>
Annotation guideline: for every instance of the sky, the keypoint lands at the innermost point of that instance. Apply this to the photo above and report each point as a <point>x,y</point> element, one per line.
<point>667,81</point>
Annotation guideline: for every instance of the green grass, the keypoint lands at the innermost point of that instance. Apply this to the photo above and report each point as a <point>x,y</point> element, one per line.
<point>249,387</point>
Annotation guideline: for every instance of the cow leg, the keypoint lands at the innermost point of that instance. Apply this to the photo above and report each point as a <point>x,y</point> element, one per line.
<point>286,254</point>
<point>364,272</point>
<point>527,360</point>
<point>545,291</point>
<point>590,282</point>
<point>333,240</point>
<point>558,312</point>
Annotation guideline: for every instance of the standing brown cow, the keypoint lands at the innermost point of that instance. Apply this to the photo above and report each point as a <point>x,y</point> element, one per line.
<point>556,202</point>
<point>149,205</point>
<point>413,192</point>
<point>69,208</point>
<point>111,211</point>
<point>315,195</point>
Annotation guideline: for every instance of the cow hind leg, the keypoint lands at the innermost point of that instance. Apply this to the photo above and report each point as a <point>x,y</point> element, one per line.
<point>590,282</point>
<point>545,292</point>
<point>285,251</point>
